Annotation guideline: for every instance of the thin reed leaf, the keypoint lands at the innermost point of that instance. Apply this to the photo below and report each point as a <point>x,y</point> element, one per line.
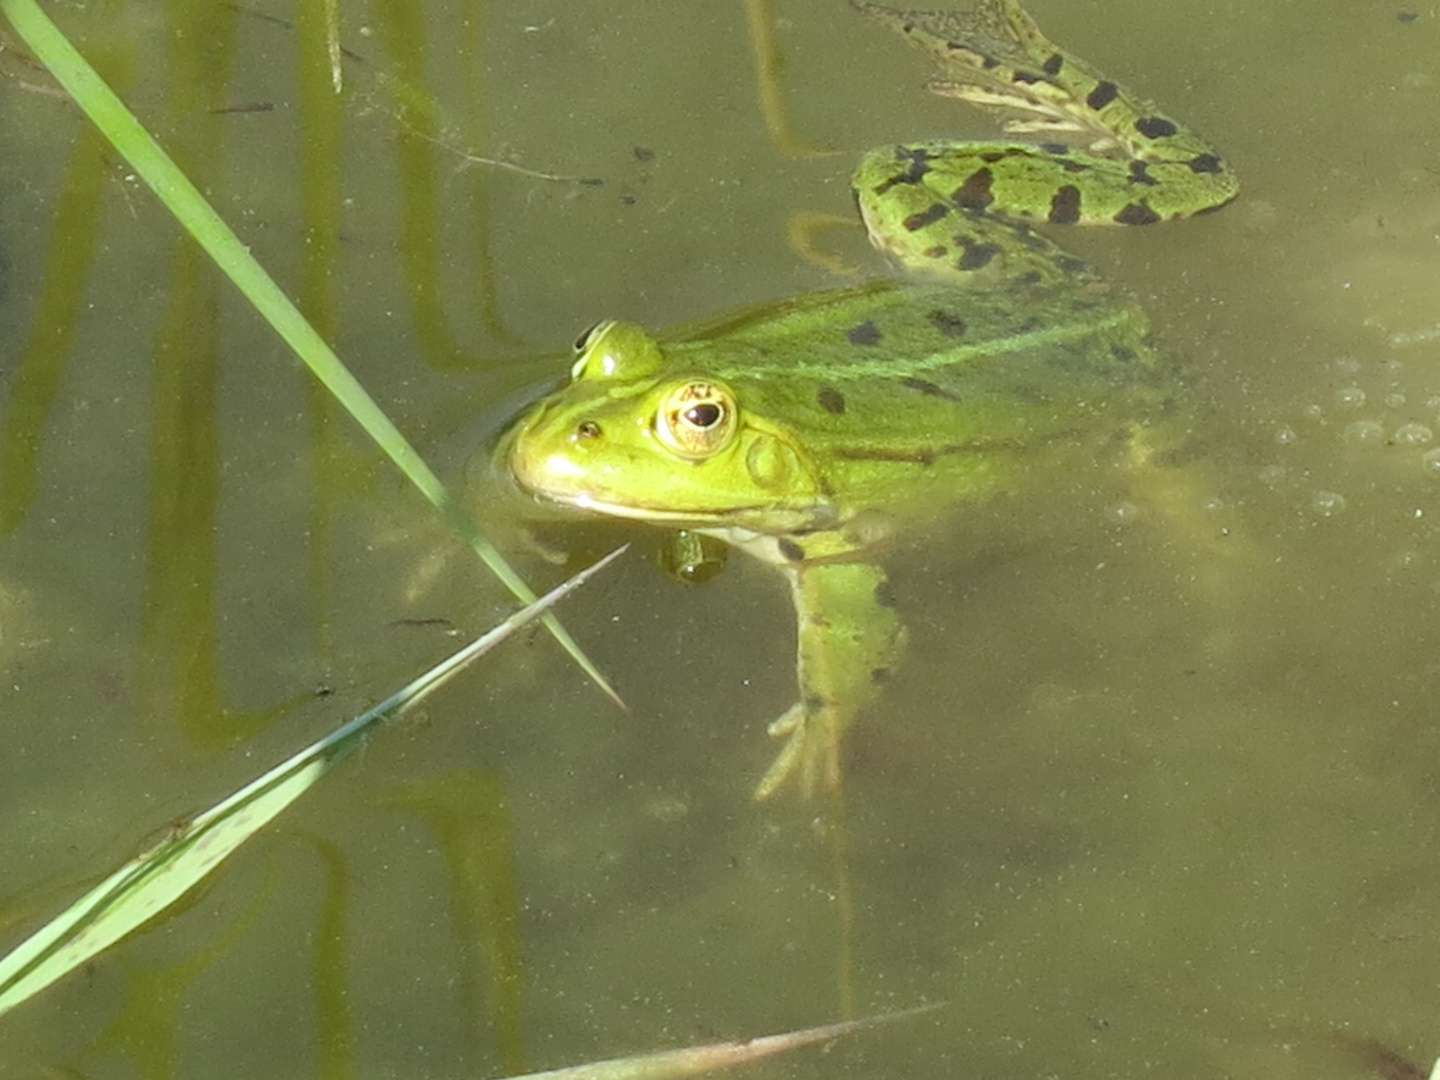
<point>156,879</point>
<point>155,167</point>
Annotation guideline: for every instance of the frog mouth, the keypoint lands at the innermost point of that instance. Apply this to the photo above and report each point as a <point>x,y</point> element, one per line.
<point>557,481</point>
<point>584,500</point>
<point>742,520</point>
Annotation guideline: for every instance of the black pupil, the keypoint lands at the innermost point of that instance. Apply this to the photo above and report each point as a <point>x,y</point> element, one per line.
<point>703,416</point>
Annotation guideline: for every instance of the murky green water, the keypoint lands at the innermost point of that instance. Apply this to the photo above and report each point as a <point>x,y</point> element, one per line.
<point>1138,803</point>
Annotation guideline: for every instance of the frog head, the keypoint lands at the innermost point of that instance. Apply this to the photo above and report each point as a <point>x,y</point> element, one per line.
<point>634,436</point>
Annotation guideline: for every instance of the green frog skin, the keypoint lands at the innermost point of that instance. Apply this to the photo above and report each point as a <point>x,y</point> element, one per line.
<point>807,433</point>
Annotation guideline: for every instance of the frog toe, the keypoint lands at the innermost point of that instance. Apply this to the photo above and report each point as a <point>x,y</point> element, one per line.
<point>810,753</point>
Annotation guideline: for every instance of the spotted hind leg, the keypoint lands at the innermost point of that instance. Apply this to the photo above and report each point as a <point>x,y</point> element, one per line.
<point>949,235</point>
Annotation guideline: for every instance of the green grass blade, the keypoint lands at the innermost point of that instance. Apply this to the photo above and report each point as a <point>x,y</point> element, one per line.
<point>206,227</point>
<point>694,1060</point>
<point>150,883</point>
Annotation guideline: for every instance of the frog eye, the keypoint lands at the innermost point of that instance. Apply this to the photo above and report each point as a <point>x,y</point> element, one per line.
<point>582,347</point>
<point>584,339</point>
<point>696,419</point>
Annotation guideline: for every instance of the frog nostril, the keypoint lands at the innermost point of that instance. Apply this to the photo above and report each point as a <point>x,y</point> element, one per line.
<point>587,429</point>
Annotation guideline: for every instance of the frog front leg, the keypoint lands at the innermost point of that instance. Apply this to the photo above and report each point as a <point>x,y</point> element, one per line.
<point>847,639</point>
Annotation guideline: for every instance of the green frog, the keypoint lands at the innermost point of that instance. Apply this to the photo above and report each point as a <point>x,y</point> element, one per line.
<point>809,432</point>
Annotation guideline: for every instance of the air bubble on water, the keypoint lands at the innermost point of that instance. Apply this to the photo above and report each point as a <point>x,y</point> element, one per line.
<point>1347,365</point>
<point>1414,434</point>
<point>1123,513</point>
<point>1285,435</point>
<point>1433,402</point>
<point>1351,397</point>
<point>1272,474</point>
<point>1314,412</point>
<point>1395,400</point>
<point>1327,503</point>
<point>1364,433</point>
<point>1430,461</point>
<point>1404,560</point>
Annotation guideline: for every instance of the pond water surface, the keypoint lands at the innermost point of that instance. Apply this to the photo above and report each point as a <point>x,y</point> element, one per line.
<point>1140,800</point>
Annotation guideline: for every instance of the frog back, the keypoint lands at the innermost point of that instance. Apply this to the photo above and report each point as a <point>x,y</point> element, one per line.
<point>907,395</point>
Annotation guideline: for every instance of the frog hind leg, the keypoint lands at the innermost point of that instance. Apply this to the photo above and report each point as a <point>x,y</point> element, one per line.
<point>929,207</point>
<point>848,637</point>
<point>1108,156</point>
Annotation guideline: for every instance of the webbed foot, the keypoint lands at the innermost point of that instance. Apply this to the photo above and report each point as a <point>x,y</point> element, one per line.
<point>811,752</point>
